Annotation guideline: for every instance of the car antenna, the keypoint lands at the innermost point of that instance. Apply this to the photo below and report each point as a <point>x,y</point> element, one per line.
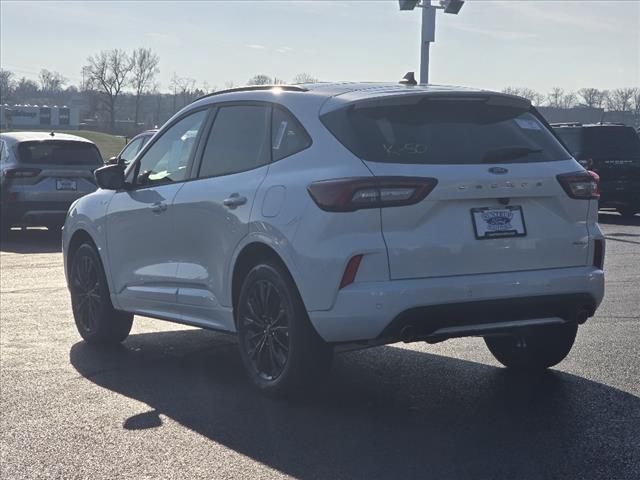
<point>408,79</point>
<point>52,134</point>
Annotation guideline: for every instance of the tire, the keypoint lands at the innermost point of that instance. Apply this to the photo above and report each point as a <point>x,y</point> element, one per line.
<point>538,349</point>
<point>627,212</point>
<point>281,351</point>
<point>96,319</point>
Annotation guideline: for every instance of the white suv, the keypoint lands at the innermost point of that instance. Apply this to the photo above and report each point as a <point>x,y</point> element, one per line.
<point>304,218</point>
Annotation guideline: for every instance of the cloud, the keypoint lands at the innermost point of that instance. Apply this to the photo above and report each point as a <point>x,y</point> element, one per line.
<point>495,33</point>
<point>284,49</point>
<point>255,46</point>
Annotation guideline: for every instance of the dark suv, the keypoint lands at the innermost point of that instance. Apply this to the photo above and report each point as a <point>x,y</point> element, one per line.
<point>613,152</point>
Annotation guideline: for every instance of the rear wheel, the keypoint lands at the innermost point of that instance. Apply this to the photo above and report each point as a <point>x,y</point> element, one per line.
<point>281,351</point>
<point>536,349</point>
<point>96,319</point>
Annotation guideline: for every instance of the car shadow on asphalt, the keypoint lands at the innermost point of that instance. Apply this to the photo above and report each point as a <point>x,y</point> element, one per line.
<point>386,412</point>
<point>32,240</point>
<point>611,218</point>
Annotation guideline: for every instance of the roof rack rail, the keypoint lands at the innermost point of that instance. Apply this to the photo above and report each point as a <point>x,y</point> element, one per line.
<point>251,88</point>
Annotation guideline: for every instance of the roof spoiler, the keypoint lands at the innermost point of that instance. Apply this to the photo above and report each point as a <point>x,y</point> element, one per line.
<point>489,98</point>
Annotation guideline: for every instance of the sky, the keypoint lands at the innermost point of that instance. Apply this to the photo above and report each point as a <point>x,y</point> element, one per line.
<point>490,44</point>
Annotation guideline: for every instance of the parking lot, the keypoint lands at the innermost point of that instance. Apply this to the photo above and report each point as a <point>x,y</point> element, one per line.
<point>172,402</point>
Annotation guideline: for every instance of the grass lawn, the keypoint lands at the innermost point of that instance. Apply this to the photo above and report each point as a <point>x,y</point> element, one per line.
<point>109,145</point>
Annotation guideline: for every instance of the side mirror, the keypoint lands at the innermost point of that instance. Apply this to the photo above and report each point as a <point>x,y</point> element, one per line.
<point>110,177</point>
<point>113,161</point>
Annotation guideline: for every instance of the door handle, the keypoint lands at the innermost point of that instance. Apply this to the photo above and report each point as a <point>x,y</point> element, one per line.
<point>234,200</point>
<point>159,207</point>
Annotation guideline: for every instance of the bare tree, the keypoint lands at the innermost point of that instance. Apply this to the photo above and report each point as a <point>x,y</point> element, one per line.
<point>555,98</point>
<point>260,79</point>
<point>304,78</point>
<point>620,99</point>
<point>51,82</point>
<point>569,100</point>
<point>6,85</point>
<point>229,84</point>
<point>184,88</point>
<point>591,97</point>
<point>108,72</point>
<point>636,104</point>
<point>144,70</point>
<point>25,89</point>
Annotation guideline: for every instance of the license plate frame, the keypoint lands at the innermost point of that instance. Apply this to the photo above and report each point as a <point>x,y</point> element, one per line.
<point>66,185</point>
<point>498,222</point>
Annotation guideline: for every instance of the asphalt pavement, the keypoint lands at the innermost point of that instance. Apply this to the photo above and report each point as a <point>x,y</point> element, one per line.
<point>172,402</point>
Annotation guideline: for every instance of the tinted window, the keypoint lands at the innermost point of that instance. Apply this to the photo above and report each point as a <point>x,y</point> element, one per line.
<point>168,158</point>
<point>238,141</point>
<point>572,137</point>
<point>59,152</point>
<point>444,132</point>
<point>287,135</point>
<point>611,142</point>
<point>130,151</point>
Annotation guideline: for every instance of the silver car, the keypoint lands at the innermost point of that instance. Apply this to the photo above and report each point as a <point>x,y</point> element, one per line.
<point>42,174</point>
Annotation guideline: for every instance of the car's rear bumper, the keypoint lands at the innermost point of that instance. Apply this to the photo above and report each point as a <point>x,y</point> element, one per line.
<point>378,311</point>
<point>35,213</point>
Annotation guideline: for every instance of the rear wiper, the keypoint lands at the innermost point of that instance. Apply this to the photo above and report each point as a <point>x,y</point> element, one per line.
<point>506,154</point>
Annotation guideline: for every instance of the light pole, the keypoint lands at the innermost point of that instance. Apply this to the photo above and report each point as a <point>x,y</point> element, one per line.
<point>428,34</point>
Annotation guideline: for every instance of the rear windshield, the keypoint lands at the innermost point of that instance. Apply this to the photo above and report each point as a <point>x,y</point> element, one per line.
<point>444,132</point>
<point>572,137</point>
<point>59,152</point>
<point>611,142</point>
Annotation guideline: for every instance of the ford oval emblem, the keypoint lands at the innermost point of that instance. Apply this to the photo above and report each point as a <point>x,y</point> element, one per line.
<point>498,170</point>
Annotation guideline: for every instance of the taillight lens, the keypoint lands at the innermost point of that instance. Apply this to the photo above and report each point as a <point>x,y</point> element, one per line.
<point>351,194</point>
<point>581,185</point>
<point>20,172</point>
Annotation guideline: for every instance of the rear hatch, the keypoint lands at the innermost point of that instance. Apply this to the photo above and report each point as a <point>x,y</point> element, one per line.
<point>52,169</point>
<point>615,151</point>
<point>497,206</point>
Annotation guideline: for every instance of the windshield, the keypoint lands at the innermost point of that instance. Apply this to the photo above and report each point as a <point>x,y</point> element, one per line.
<point>572,137</point>
<point>444,132</point>
<point>58,152</point>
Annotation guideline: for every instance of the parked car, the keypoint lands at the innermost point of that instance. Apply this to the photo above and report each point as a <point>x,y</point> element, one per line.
<point>613,152</point>
<point>42,175</point>
<point>131,149</point>
<point>305,218</point>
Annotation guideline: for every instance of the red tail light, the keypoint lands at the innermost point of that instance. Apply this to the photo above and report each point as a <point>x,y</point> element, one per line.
<point>350,271</point>
<point>581,185</point>
<point>351,194</point>
<point>20,172</point>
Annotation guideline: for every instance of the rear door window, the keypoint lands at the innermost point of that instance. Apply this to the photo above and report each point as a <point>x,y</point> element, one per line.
<point>238,140</point>
<point>444,132</point>
<point>59,152</point>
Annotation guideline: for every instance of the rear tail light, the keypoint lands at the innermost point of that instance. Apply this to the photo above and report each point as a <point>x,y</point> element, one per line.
<point>351,270</point>
<point>581,185</point>
<point>351,194</point>
<point>598,254</point>
<point>20,172</point>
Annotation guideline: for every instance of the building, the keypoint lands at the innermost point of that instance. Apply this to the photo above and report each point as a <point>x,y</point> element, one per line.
<point>39,117</point>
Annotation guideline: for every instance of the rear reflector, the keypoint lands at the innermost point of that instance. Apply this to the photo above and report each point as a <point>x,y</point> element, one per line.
<point>598,254</point>
<point>20,172</point>
<point>350,271</point>
<point>351,194</point>
<point>583,185</point>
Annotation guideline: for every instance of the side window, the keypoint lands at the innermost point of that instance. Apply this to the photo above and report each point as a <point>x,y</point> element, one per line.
<point>168,158</point>
<point>287,135</point>
<point>238,140</point>
<point>130,151</point>
<point>3,151</point>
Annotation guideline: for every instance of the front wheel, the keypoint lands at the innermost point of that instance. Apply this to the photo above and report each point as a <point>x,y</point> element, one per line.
<point>281,351</point>
<point>537,349</point>
<point>96,319</point>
